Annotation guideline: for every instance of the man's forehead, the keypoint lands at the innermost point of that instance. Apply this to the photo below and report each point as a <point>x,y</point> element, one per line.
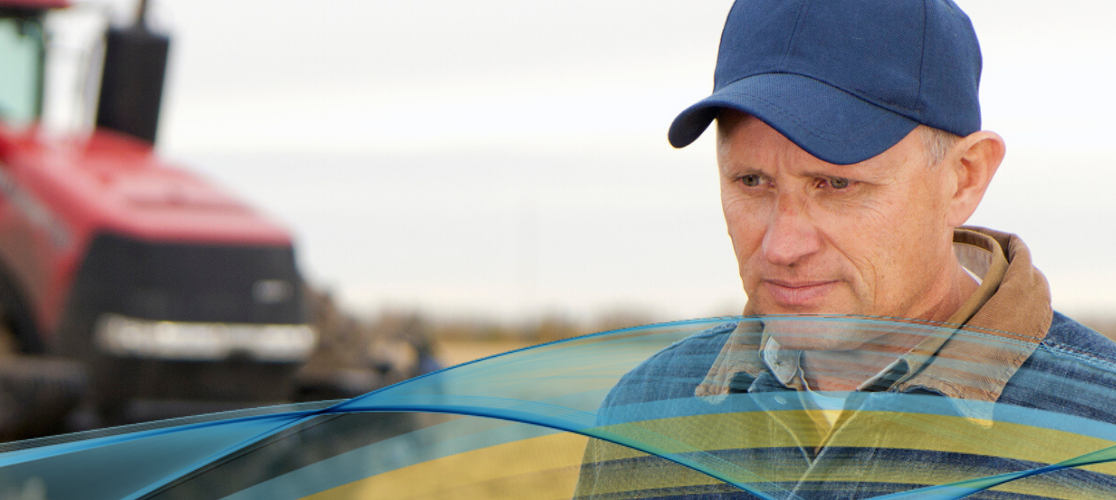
<point>746,143</point>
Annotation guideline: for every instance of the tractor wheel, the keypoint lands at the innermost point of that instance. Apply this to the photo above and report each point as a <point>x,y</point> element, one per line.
<point>37,392</point>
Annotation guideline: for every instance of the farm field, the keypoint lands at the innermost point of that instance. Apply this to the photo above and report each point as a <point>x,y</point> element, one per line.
<point>455,352</point>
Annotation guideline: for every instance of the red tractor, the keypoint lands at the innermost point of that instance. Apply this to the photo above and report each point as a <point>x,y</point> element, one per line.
<point>144,290</point>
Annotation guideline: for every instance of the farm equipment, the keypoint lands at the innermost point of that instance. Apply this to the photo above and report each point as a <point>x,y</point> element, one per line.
<point>130,289</point>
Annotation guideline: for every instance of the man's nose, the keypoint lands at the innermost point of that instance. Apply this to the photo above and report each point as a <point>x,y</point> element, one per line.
<point>791,235</point>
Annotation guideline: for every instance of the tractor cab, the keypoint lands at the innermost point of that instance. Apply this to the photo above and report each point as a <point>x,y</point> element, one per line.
<point>22,60</point>
<point>65,70</point>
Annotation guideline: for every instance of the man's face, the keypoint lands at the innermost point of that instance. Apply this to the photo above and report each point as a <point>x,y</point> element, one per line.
<point>812,237</point>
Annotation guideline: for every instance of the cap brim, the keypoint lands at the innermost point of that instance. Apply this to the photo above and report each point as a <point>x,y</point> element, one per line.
<point>829,123</point>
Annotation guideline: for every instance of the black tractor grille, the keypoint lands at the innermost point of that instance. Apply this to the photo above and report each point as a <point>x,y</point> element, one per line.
<point>190,282</point>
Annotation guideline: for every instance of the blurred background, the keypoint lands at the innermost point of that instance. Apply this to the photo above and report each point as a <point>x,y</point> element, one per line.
<point>507,160</point>
<point>463,178</point>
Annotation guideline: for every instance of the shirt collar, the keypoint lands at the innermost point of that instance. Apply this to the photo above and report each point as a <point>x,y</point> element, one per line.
<point>1005,319</point>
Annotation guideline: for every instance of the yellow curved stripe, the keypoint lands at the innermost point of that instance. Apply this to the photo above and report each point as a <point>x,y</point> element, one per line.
<point>863,430</point>
<point>547,467</point>
<point>868,429</point>
<point>543,468</point>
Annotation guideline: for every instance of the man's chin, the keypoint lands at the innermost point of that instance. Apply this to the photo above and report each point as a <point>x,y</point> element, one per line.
<point>770,307</point>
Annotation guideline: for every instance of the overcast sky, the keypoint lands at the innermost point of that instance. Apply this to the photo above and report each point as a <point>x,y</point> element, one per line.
<point>509,157</point>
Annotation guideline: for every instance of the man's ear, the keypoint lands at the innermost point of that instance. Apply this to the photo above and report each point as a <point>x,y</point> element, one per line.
<point>974,160</point>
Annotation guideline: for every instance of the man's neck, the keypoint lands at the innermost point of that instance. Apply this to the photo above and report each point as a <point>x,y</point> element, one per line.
<point>847,370</point>
<point>962,286</point>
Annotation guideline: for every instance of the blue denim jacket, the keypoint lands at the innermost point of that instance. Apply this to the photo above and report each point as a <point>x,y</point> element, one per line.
<point>1061,403</point>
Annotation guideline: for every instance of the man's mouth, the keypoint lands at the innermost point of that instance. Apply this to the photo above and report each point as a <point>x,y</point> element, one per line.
<point>788,293</point>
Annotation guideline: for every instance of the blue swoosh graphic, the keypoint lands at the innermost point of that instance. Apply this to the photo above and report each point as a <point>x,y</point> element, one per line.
<point>523,394</point>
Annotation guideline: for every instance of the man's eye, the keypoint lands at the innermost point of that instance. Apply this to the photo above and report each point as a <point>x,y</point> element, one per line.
<point>839,182</point>
<point>751,180</point>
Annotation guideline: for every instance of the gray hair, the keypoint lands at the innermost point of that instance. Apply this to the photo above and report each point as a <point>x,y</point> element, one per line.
<point>936,143</point>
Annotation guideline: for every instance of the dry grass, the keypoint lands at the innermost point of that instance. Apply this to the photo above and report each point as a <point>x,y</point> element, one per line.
<point>1104,325</point>
<point>455,352</point>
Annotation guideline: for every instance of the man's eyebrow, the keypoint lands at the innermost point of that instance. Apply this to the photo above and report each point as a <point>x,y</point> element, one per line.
<point>748,170</point>
<point>818,173</point>
<point>739,168</point>
<point>842,171</point>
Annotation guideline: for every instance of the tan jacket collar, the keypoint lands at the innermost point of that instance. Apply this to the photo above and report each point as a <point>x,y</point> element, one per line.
<point>1004,321</point>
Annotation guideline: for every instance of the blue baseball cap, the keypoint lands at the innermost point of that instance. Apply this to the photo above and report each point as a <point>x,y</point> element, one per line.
<point>844,79</point>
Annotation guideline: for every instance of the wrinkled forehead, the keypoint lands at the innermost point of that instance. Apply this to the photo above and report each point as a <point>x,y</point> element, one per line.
<point>745,142</point>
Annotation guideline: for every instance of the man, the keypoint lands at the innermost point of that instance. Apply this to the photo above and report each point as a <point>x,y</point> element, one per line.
<point>850,153</point>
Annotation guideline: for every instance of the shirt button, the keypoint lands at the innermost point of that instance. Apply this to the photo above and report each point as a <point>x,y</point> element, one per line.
<point>780,400</point>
